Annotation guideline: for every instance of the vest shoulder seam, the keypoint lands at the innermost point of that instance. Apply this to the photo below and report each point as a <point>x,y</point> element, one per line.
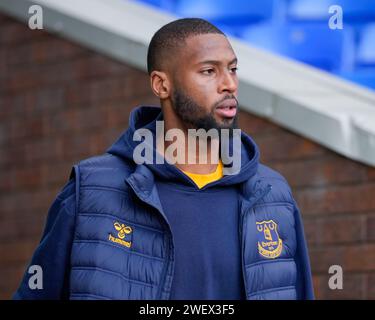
<point>99,187</point>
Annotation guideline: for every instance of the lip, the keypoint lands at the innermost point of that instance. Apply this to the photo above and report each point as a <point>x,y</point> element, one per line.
<point>227,109</point>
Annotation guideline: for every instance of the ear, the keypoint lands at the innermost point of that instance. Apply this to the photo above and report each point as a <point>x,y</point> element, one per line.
<point>160,84</point>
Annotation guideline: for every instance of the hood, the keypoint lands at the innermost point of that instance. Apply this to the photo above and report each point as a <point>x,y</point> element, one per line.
<point>145,117</point>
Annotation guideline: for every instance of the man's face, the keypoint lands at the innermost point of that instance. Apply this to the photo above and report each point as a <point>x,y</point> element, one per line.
<point>205,83</point>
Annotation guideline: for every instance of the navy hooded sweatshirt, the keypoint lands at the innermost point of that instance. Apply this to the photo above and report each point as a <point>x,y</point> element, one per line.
<point>204,222</point>
<point>204,225</point>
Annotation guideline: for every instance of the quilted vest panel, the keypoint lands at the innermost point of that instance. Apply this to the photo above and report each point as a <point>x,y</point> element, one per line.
<point>120,245</point>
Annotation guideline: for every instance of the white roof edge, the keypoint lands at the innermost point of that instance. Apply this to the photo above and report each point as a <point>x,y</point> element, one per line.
<point>341,115</point>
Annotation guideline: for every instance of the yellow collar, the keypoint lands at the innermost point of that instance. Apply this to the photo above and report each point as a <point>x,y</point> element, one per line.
<point>202,179</point>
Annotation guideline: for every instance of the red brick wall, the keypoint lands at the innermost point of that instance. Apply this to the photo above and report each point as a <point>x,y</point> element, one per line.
<point>60,103</point>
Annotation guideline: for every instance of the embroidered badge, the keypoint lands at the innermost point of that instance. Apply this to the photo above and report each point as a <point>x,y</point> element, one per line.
<point>269,243</point>
<point>123,232</point>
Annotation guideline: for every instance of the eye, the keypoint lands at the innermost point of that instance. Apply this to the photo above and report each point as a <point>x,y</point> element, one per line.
<point>234,69</point>
<point>208,71</point>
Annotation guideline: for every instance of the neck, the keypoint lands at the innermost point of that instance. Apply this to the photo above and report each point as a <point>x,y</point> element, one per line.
<point>201,153</point>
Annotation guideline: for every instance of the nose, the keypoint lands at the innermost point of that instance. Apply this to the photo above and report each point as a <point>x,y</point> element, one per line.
<point>228,83</point>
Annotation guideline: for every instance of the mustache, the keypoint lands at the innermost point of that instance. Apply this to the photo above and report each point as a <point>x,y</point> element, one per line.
<point>226,98</point>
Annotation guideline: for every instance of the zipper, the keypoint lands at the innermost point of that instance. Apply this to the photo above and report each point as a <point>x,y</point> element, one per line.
<point>169,238</point>
<point>165,268</point>
<point>260,196</point>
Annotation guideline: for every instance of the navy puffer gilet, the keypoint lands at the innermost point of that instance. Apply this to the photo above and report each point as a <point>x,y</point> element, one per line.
<point>123,245</point>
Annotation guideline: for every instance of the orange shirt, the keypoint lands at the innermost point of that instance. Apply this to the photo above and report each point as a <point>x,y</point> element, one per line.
<point>202,179</point>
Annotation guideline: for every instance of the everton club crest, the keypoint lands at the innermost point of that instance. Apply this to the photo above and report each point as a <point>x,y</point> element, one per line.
<point>269,243</point>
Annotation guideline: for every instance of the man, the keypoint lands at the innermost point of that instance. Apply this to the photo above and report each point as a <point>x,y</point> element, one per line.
<point>126,229</point>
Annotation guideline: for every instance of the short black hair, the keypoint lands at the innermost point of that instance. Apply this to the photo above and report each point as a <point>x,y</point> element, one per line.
<point>173,35</point>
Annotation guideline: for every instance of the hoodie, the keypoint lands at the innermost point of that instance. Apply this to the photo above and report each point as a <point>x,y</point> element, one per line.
<point>205,227</point>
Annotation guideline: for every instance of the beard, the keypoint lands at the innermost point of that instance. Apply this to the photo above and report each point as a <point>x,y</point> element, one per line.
<point>197,117</point>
